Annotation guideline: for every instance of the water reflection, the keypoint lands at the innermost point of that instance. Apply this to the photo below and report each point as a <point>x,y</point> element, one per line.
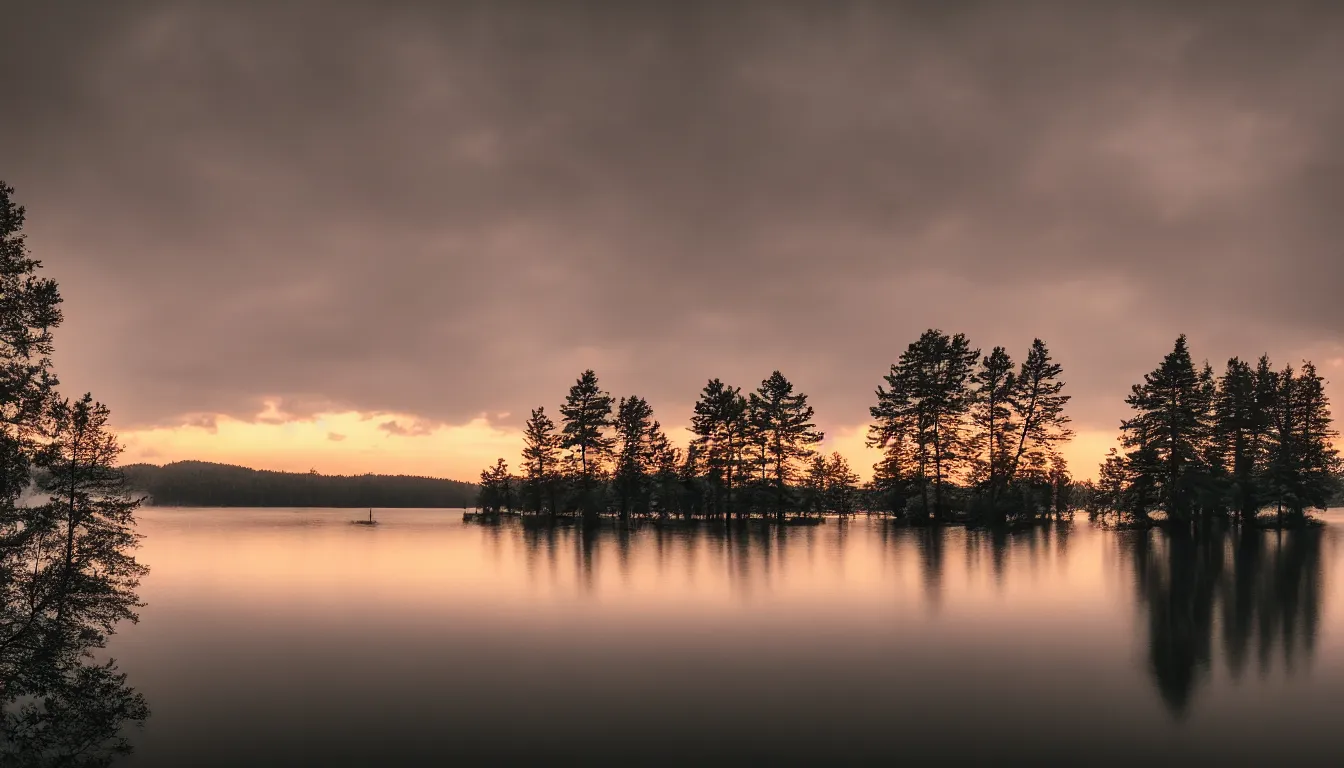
<point>60,707</point>
<point>844,643</point>
<point>1262,590</point>
<point>1258,592</point>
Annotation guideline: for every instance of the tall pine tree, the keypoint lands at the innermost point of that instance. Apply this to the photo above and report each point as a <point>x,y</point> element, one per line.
<point>665,460</point>
<point>995,387</point>
<point>1038,407</point>
<point>1303,464</point>
<point>841,486</point>
<point>90,515</point>
<point>720,426</point>
<point>634,420</point>
<point>1242,407</point>
<point>541,463</point>
<point>29,311</point>
<point>1166,437</point>
<point>586,416</point>
<point>893,472</point>
<point>927,404</point>
<point>68,574</point>
<point>496,492</point>
<point>784,420</point>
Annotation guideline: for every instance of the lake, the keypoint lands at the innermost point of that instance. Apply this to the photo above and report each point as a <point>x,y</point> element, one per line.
<point>290,637</point>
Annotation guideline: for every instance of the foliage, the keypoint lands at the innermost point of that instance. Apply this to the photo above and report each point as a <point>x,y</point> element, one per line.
<point>496,494</point>
<point>68,575</point>
<point>634,460</point>
<point>926,407</point>
<point>541,463</point>
<point>1171,422</point>
<point>842,486</point>
<point>665,459</point>
<point>586,416</point>
<point>29,311</point>
<point>1201,447</point>
<point>1038,406</point>
<point>783,421</point>
<point>721,427</point>
<point>992,415</point>
<point>1303,463</point>
<point>957,429</point>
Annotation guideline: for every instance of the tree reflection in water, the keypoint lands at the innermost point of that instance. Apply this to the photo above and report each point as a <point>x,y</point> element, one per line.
<point>1261,590</point>
<point>1229,598</point>
<point>60,706</point>
<point>68,577</point>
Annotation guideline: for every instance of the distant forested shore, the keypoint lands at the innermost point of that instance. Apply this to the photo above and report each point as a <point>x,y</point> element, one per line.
<point>206,484</point>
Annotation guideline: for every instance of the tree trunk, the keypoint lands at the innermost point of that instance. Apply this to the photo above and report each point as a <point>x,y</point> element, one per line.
<point>937,472</point>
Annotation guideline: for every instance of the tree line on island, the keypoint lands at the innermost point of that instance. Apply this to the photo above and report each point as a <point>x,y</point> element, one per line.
<point>746,459</point>
<point>1203,447</point>
<point>964,437</point>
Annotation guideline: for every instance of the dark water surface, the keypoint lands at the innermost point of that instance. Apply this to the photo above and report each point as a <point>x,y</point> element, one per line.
<point>290,637</point>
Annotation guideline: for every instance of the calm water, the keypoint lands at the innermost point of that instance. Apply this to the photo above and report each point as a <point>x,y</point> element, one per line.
<point>290,637</point>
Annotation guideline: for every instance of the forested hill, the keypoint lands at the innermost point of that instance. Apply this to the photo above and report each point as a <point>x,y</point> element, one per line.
<point>204,484</point>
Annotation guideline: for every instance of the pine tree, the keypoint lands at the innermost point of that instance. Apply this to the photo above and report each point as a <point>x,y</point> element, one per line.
<point>756,455</point>
<point>504,482</point>
<point>890,433</point>
<point>1113,484</point>
<point>1211,475</point>
<point>813,487</point>
<point>29,311</point>
<point>927,403</point>
<point>1144,468</point>
<point>841,486</point>
<point>1303,464</point>
<point>1242,405</point>
<point>586,415</point>
<point>1262,423</point>
<point>1321,460</point>
<point>1167,436</point>
<point>788,434</point>
<point>486,492</point>
<point>995,387</point>
<point>720,425</point>
<point>891,473</point>
<point>1038,407</point>
<point>633,424</point>
<point>496,492</point>
<point>67,570</point>
<point>665,459</point>
<point>1061,488</point>
<point>88,524</point>
<point>692,493</point>
<point>541,463</point>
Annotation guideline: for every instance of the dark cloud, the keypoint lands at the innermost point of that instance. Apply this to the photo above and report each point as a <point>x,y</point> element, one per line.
<point>414,429</point>
<point>207,421</point>
<point>335,437</point>
<point>451,211</point>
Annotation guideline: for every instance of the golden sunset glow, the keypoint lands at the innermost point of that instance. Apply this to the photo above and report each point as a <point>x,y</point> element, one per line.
<point>353,443</point>
<point>335,443</point>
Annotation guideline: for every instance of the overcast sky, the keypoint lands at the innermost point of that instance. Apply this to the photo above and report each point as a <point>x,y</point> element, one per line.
<point>447,211</point>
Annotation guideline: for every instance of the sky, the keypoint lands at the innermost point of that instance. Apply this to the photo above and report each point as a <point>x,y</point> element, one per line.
<point>371,236</point>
